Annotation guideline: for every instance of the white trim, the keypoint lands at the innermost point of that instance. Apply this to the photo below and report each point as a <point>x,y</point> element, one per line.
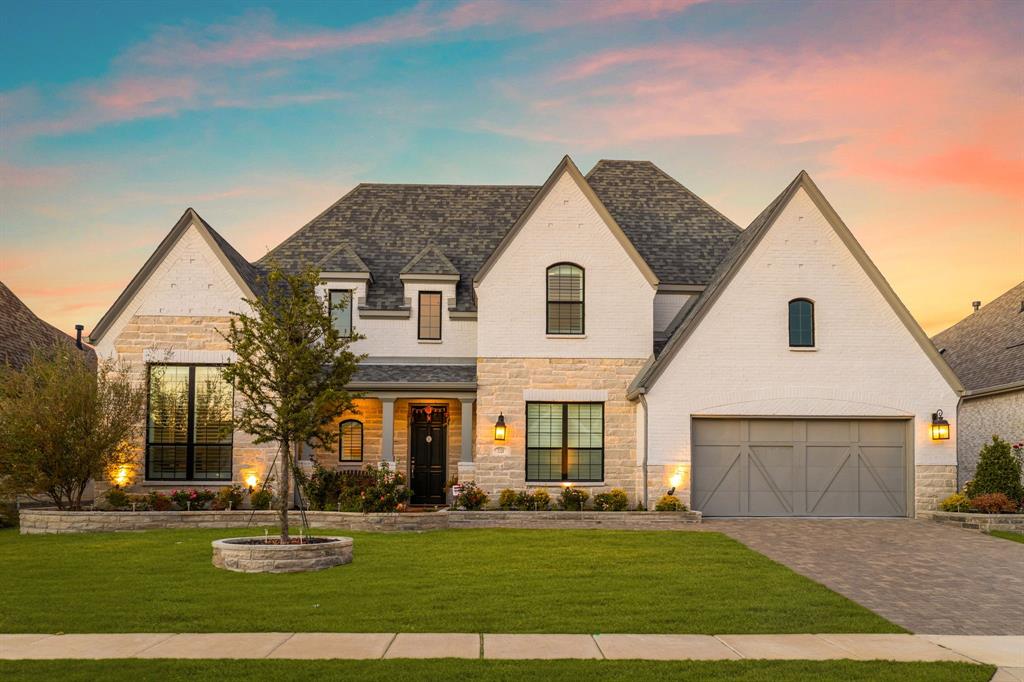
<point>565,395</point>
<point>199,357</point>
<point>566,336</point>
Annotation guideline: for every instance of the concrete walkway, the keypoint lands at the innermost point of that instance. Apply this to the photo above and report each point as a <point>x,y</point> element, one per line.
<point>1006,652</point>
<point>925,576</point>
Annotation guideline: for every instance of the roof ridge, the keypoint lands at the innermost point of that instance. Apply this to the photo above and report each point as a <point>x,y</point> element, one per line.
<point>444,184</point>
<point>694,194</point>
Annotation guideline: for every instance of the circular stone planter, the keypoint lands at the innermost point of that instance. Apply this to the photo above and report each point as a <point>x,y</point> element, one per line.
<point>252,555</point>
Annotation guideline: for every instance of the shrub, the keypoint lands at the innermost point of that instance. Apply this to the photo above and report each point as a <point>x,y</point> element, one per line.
<point>670,503</point>
<point>471,497</point>
<point>998,472</point>
<point>539,500</point>
<point>957,502</point>
<point>615,500</point>
<point>158,502</point>
<point>8,514</point>
<point>116,498</point>
<point>140,503</point>
<point>572,498</point>
<point>262,498</point>
<point>192,499</point>
<point>993,503</point>
<point>509,499</point>
<point>386,492</point>
<point>228,497</point>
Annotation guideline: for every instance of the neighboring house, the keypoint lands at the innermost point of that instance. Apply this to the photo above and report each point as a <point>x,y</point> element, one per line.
<point>625,332</point>
<point>986,350</point>
<point>22,333</point>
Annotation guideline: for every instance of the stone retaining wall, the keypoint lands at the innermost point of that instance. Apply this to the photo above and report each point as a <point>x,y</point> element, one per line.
<point>247,558</point>
<point>53,521</point>
<point>982,522</point>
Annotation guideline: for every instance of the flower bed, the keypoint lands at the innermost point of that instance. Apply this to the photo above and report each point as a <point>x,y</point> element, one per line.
<point>554,520</point>
<point>257,555</point>
<point>983,522</point>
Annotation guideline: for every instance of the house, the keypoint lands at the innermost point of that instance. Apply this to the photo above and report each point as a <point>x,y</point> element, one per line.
<point>986,350</point>
<point>624,332</point>
<point>22,333</point>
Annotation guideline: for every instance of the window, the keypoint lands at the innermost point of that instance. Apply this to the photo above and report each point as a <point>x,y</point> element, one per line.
<point>801,323</point>
<point>430,316</point>
<point>188,425</point>
<point>565,299</point>
<point>350,444</point>
<point>564,442</point>
<point>341,311</point>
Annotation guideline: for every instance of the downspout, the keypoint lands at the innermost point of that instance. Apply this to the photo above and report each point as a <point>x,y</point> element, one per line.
<point>643,401</point>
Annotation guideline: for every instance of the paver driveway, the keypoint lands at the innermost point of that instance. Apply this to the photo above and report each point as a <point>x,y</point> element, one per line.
<point>929,578</point>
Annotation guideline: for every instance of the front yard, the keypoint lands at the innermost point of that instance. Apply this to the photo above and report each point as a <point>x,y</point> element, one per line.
<point>446,581</point>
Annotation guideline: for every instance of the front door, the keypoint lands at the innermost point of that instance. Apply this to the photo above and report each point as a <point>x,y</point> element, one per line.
<point>428,451</point>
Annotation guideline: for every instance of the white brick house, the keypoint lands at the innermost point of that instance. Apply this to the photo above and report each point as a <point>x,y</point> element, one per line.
<point>627,333</point>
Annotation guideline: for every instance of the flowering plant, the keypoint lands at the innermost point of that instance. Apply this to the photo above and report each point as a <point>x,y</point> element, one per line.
<point>471,497</point>
<point>191,498</point>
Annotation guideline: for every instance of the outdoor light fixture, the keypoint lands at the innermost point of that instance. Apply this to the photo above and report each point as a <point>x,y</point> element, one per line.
<point>250,481</point>
<point>940,427</point>
<point>121,477</point>
<point>499,428</point>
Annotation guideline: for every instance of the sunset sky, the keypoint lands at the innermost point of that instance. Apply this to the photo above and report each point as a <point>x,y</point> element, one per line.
<point>116,117</point>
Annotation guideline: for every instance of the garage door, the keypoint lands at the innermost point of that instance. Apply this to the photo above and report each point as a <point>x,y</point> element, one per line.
<point>799,467</point>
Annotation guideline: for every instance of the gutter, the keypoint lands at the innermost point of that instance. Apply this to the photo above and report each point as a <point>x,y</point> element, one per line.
<point>642,394</point>
<point>993,390</point>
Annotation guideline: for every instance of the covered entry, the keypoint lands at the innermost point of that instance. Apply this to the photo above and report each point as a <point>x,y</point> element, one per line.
<point>800,467</point>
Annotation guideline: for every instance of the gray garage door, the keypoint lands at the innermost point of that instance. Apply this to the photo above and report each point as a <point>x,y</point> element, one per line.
<point>800,467</point>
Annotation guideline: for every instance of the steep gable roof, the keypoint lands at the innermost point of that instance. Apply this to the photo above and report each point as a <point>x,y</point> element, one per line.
<point>430,261</point>
<point>343,258</point>
<point>986,348</point>
<point>738,255</point>
<point>245,274</point>
<point>22,332</point>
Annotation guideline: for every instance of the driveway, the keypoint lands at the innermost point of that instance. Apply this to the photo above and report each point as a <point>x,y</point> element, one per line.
<point>929,578</point>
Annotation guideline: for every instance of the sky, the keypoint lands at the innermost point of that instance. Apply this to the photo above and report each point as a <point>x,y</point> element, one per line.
<point>115,117</point>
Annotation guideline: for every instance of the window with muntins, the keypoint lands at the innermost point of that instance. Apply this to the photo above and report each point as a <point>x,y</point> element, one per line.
<point>801,323</point>
<point>188,424</point>
<point>565,442</point>
<point>350,442</point>
<point>565,299</point>
<point>430,316</point>
<point>341,311</point>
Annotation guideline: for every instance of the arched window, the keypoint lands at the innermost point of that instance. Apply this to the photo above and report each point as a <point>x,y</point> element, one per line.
<point>350,444</point>
<point>565,299</point>
<point>801,323</point>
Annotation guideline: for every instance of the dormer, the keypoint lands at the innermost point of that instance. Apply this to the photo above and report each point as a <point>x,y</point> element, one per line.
<point>429,282</point>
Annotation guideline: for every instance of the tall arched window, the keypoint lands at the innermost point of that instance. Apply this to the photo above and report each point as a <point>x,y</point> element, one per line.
<point>350,443</point>
<point>801,323</point>
<point>565,299</point>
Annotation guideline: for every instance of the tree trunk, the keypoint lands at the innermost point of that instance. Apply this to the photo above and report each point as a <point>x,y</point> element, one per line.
<point>284,496</point>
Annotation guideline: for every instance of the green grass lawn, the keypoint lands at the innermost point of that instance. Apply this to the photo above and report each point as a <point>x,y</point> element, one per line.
<point>1007,535</point>
<point>445,581</point>
<point>451,669</point>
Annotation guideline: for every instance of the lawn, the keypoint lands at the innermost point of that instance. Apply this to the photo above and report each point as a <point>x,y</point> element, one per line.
<point>445,581</point>
<point>1007,535</point>
<point>130,670</point>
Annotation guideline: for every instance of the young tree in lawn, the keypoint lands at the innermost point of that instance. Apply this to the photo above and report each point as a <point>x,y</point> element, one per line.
<point>65,421</point>
<point>291,370</point>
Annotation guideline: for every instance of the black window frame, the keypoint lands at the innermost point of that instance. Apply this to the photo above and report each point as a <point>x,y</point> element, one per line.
<point>419,315</point>
<point>565,442</point>
<point>789,319</point>
<point>582,302</point>
<point>341,441</point>
<point>348,308</point>
<point>190,442</point>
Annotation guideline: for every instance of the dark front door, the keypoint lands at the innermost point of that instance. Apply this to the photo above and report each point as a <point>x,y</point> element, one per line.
<point>428,452</point>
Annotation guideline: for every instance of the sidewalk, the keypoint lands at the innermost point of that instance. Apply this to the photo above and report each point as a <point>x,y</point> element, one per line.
<point>1004,651</point>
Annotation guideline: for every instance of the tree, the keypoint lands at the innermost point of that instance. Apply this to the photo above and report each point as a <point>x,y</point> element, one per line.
<point>64,422</point>
<point>292,368</point>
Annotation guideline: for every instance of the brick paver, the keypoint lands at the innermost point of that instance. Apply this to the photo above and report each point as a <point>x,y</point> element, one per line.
<point>927,577</point>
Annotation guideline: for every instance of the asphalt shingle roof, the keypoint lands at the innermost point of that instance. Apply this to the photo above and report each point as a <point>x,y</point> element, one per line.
<point>986,348</point>
<point>22,332</point>
<point>430,261</point>
<point>342,258</point>
<point>417,374</point>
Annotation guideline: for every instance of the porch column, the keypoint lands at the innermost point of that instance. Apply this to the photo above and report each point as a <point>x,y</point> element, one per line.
<point>466,456</point>
<point>387,437</point>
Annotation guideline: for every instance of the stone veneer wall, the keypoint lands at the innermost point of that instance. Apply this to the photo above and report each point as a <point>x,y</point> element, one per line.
<point>1013,523</point>
<point>981,418</point>
<point>932,484</point>
<point>369,412</point>
<point>500,386</point>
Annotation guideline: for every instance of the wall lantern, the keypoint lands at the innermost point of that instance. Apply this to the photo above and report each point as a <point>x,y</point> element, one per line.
<point>251,481</point>
<point>121,476</point>
<point>499,428</point>
<point>940,427</point>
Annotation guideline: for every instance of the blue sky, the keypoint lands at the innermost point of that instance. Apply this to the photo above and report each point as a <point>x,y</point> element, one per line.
<point>114,117</point>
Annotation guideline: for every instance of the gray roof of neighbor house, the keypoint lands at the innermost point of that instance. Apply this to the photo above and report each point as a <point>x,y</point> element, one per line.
<point>22,332</point>
<point>986,348</point>
<point>680,237</point>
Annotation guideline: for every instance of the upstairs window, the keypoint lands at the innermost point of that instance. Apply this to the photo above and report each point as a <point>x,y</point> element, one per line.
<point>341,311</point>
<point>188,424</point>
<point>801,323</point>
<point>350,444</point>
<point>565,299</point>
<point>430,316</point>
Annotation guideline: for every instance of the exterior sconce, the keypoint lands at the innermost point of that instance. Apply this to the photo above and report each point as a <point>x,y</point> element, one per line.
<point>121,477</point>
<point>499,428</point>
<point>940,427</point>
<point>251,481</point>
